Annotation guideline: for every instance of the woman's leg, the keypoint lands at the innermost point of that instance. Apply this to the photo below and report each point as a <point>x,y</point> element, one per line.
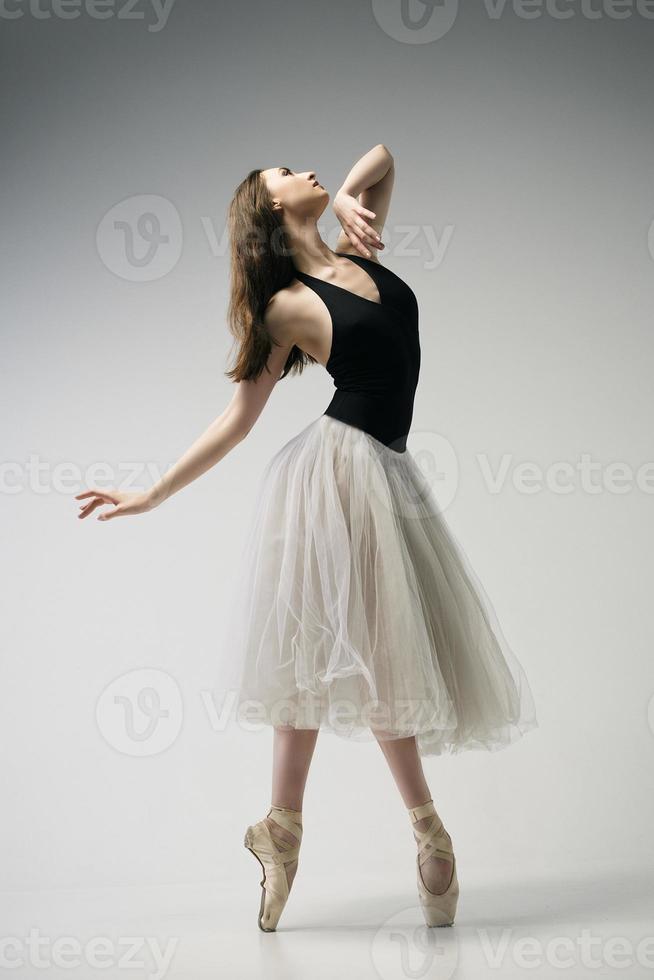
<point>292,754</point>
<point>406,767</point>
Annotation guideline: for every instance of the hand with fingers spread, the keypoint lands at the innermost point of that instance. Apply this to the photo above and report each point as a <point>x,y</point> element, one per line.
<point>219,438</point>
<point>352,217</point>
<point>124,503</point>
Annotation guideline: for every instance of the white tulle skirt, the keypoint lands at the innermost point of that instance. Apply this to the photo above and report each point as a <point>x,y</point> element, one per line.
<point>356,611</point>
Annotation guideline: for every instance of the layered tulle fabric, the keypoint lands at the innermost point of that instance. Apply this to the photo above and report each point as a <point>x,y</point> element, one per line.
<point>356,611</point>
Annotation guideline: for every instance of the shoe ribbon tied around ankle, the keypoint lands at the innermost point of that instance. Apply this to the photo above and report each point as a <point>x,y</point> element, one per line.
<point>432,836</point>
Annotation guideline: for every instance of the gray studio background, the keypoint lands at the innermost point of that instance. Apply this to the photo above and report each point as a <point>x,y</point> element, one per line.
<point>521,217</point>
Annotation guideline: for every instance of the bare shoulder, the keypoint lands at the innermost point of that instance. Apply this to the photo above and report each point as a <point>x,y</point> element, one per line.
<point>284,314</point>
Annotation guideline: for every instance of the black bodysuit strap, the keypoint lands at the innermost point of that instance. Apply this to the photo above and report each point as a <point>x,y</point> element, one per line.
<point>333,288</point>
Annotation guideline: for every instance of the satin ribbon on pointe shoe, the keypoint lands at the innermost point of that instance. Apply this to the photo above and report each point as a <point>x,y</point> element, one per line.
<point>273,855</point>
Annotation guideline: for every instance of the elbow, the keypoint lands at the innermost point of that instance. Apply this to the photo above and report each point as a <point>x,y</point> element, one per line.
<point>233,429</point>
<point>241,427</point>
<point>385,150</point>
<point>239,433</point>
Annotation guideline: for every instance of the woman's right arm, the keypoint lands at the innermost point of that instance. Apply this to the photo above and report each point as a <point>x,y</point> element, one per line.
<point>224,433</point>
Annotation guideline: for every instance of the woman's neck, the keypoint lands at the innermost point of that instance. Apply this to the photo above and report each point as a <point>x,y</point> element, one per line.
<point>309,253</point>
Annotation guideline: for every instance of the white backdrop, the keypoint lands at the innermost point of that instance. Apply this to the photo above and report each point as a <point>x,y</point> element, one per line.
<point>520,218</point>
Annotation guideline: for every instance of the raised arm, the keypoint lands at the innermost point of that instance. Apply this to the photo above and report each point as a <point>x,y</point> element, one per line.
<point>222,435</point>
<point>362,202</point>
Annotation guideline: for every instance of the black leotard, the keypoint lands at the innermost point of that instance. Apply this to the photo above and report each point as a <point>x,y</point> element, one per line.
<point>375,353</point>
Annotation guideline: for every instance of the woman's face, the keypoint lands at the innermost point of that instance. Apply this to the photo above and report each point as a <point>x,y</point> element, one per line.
<point>298,193</point>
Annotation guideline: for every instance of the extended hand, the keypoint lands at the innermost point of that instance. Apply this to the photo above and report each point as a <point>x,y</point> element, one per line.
<point>124,503</point>
<point>351,215</point>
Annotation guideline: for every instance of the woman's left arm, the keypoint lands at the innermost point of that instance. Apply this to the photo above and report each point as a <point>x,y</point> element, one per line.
<point>362,202</point>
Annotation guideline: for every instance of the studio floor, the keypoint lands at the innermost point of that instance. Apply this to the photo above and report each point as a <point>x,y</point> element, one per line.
<point>581,924</point>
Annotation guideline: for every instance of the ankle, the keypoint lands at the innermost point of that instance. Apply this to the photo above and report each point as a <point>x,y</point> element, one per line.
<point>423,802</point>
<point>286,809</point>
<point>285,823</point>
<point>421,810</point>
<point>427,804</point>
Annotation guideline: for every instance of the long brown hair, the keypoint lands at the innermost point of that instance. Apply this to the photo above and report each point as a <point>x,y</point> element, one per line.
<point>260,266</point>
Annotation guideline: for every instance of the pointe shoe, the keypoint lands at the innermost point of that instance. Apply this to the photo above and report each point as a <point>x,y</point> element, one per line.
<point>273,855</point>
<point>438,910</point>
